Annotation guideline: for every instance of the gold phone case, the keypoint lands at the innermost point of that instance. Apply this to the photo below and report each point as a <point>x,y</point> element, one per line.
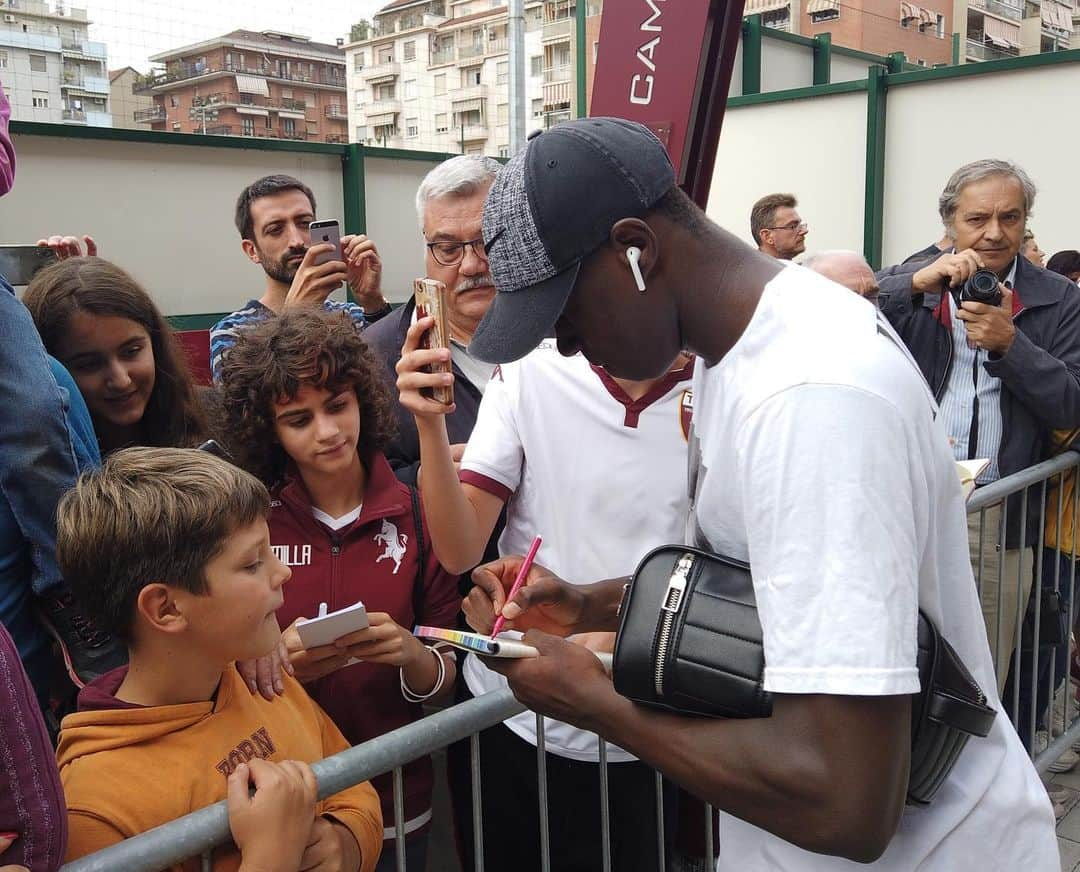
<point>431,300</point>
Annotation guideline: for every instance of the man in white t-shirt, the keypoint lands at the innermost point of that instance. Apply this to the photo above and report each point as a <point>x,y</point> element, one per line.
<point>597,467</point>
<point>821,463</point>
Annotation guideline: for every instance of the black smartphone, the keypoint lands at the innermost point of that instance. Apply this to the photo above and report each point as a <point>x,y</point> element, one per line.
<point>19,263</point>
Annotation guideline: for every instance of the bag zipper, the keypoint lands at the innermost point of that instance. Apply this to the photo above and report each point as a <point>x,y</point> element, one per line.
<point>669,606</point>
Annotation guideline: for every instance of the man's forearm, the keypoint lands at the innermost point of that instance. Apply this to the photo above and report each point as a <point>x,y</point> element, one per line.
<point>452,519</point>
<point>788,774</point>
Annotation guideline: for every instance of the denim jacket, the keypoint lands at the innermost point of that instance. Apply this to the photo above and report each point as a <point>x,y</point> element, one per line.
<point>41,424</point>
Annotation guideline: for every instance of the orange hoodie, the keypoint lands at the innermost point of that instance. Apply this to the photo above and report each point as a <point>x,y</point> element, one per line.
<point>127,768</point>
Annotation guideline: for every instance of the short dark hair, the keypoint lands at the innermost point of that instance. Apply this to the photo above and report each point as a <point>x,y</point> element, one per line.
<point>677,206</point>
<point>1065,262</point>
<point>764,212</point>
<point>273,360</point>
<point>149,515</point>
<point>265,187</point>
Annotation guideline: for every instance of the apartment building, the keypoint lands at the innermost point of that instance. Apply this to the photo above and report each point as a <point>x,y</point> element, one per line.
<point>434,74</point>
<point>1006,28</point>
<point>124,103</point>
<point>922,31</point>
<point>268,85</point>
<point>51,70</point>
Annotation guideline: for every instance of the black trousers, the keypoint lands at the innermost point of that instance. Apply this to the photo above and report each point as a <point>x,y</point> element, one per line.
<point>511,809</point>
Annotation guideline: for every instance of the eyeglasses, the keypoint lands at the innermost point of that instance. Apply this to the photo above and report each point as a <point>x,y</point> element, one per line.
<point>452,253</point>
<point>800,226</point>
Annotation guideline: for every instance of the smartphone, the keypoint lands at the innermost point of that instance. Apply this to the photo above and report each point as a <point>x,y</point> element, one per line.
<point>431,301</point>
<point>19,263</point>
<point>327,231</point>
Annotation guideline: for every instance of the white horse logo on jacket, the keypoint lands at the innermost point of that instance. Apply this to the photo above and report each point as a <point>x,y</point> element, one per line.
<point>394,542</point>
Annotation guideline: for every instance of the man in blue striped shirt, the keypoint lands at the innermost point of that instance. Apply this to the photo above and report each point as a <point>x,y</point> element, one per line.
<point>273,215</point>
<point>1004,376</point>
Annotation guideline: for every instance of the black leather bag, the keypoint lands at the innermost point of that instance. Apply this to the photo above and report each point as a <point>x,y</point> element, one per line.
<point>690,641</point>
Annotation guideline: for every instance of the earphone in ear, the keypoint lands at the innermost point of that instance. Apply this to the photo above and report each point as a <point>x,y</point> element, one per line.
<point>633,254</point>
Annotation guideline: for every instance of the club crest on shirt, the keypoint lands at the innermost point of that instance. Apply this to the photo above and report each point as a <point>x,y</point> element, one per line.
<point>394,543</point>
<point>686,412</point>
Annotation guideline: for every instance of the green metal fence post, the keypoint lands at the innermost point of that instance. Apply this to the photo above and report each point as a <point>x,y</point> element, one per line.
<point>956,48</point>
<point>751,55</point>
<point>823,59</point>
<point>874,206</point>
<point>353,194</point>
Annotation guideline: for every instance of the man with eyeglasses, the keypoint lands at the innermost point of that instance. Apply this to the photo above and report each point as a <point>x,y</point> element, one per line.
<point>777,228</point>
<point>449,207</point>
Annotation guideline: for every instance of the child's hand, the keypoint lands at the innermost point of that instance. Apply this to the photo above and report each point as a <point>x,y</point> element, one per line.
<point>330,848</point>
<point>311,664</point>
<point>271,828</point>
<point>383,641</point>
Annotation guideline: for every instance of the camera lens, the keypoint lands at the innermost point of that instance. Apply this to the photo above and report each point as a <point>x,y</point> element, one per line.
<point>984,281</point>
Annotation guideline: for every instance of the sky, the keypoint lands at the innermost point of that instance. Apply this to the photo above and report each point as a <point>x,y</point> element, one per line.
<point>135,29</point>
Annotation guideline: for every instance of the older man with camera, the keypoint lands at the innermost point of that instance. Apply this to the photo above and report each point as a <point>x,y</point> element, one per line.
<point>998,340</point>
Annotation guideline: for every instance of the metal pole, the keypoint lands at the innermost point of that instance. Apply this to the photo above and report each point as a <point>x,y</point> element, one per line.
<point>516,80</point>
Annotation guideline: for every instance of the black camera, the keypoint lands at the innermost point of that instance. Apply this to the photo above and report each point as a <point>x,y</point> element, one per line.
<point>981,287</point>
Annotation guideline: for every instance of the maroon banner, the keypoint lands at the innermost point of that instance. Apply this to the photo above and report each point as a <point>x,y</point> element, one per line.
<point>648,67</point>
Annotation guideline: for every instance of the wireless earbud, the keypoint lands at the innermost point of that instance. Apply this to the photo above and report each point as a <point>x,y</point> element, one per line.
<point>633,253</point>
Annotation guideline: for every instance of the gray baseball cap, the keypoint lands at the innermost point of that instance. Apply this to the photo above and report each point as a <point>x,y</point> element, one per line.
<point>552,205</point>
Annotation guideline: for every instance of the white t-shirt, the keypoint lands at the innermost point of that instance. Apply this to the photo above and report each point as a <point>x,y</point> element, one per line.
<point>823,465</point>
<point>600,477</point>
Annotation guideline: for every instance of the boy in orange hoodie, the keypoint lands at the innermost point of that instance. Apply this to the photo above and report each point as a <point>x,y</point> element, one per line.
<point>169,549</point>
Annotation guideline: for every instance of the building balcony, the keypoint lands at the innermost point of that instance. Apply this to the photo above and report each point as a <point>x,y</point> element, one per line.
<point>470,52</point>
<point>471,132</point>
<point>556,95</point>
<point>979,51</point>
<point>337,138</point>
<point>182,71</point>
<point>561,73</point>
<point>557,31</point>
<point>380,71</point>
<point>33,41</point>
<point>443,56</point>
<point>497,46</point>
<point>87,84</point>
<point>86,49</point>
<point>469,94</point>
<point>999,9</point>
<point>335,111</point>
<point>382,107</point>
<point>74,115</point>
<point>149,116</point>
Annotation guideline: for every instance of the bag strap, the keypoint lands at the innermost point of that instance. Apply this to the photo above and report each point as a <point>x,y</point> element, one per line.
<point>421,547</point>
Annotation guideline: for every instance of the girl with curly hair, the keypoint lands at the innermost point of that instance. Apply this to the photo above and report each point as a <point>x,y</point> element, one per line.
<point>309,414</point>
<point>99,322</point>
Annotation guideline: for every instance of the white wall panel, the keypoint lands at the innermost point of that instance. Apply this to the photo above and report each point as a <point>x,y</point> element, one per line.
<point>814,148</point>
<point>162,212</point>
<point>935,127</point>
<point>785,65</point>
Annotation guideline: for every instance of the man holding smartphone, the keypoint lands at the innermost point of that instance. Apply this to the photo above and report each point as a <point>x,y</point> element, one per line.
<point>274,215</point>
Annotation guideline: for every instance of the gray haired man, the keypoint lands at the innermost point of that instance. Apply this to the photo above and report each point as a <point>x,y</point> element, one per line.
<point>847,268</point>
<point>449,207</point>
<point>1004,375</point>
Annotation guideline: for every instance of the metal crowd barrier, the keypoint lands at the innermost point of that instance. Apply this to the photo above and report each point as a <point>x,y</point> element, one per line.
<point>198,833</point>
<point>1034,663</point>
